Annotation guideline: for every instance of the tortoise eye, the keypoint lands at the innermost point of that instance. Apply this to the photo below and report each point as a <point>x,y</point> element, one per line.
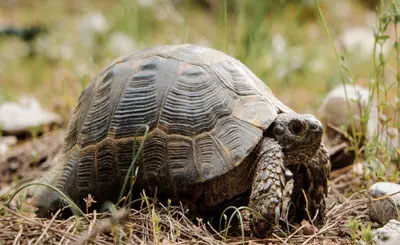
<point>296,127</point>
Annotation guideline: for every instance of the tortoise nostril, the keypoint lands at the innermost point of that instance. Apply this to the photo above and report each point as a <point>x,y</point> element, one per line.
<point>315,126</point>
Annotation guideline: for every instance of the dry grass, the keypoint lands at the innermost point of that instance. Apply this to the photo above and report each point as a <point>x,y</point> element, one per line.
<point>158,224</point>
<point>135,227</point>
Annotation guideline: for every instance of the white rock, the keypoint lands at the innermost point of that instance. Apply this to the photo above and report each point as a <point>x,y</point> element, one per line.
<point>16,117</point>
<point>385,202</point>
<point>388,234</point>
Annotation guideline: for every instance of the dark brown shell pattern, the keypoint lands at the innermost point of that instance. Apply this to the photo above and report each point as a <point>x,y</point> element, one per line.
<point>205,112</point>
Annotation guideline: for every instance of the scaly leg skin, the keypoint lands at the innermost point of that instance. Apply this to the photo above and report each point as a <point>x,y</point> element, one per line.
<point>268,192</point>
<point>317,176</point>
<point>315,185</point>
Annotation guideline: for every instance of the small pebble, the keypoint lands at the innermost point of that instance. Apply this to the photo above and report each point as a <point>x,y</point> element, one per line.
<point>6,142</point>
<point>308,229</point>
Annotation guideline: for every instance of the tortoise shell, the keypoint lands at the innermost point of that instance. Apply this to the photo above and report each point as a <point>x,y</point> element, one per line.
<point>205,110</point>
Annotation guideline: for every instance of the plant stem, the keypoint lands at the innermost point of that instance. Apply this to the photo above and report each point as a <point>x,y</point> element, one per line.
<point>226,26</point>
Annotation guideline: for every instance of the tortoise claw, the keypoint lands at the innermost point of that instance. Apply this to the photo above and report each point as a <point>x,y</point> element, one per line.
<point>277,214</point>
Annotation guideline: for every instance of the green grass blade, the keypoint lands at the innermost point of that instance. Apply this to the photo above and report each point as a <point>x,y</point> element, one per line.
<point>135,158</point>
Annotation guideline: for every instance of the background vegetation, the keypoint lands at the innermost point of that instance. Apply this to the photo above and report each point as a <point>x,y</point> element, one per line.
<point>282,41</point>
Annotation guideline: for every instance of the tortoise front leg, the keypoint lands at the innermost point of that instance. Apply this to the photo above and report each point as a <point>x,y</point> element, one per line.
<point>317,182</point>
<point>314,182</point>
<point>269,192</point>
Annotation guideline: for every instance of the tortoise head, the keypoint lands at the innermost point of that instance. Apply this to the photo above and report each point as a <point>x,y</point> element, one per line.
<point>48,202</point>
<point>299,135</point>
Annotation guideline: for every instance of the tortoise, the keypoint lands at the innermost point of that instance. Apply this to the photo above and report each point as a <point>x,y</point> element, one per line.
<point>216,133</point>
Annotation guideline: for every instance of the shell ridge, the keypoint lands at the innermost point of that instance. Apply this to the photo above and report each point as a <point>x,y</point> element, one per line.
<point>76,114</point>
<point>205,163</point>
<point>165,96</point>
<point>121,90</point>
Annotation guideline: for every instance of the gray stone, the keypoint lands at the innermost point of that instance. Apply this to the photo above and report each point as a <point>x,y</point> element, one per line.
<point>384,202</point>
<point>343,103</point>
<point>339,106</point>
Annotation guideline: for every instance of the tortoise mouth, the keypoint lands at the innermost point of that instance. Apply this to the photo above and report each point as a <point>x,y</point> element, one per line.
<point>300,154</point>
<point>303,148</point>
<point>311,147</point>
